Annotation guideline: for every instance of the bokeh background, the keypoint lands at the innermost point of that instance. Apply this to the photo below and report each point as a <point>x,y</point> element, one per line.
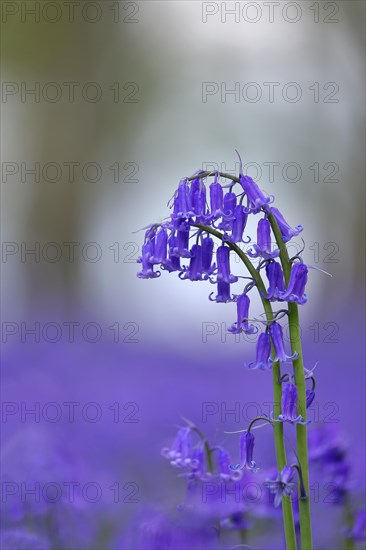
<point>128,98</point>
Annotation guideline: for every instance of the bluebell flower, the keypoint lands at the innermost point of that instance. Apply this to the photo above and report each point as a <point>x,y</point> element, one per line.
<point>194,272</point>
<point>223,294</point>
<point>207,254</point>
<point>147,271</point>
<point>295,291</point>
<point>275,331</point>
<point>242,325</point>
<point>160,248</point>
<point>223,265</point>
<point>256,197</point>
<point>172,263</point>
<point>276,281</point>
<point>183,201</point>
<point>182,248</point>
<point>263,353</point>
<point>246,444</point>
<point>180,453</point>
<point>238,225</point>
<point>310,396</point>
<point>289,406</point>
<point>216,201</point>
<point>263,248</point>
<point>197,465</point>
<point>225,471</point>
<point>282,485</point>
<point>287,231</point>
<point>328,452</point>
<point>198,198</point>
<point>357,532</point>
<point>229,207</point>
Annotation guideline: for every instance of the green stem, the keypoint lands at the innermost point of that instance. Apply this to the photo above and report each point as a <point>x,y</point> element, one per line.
<point>206,444</point>
<point>299,374</point>
<point>287,512</point>
<point>349,519</point>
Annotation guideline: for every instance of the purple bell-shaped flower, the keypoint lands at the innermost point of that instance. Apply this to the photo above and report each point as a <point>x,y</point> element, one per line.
<point>263,248</point>
<point>194,272</point>
<point>296,287</point>
<point>246,444</point>
<point>242,324</point>
<point>287,231</point>
<point>207,255</point>
<point>289,406</point>
<point>223,294</point>
<point>147,271</point>
<point>275,331</point>
<point>256,197</point>
<point>223,265</point>
<point>263,353</point>
<point>276,281</point>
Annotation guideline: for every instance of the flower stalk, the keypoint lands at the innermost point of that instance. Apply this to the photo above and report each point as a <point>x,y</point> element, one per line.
<point>300,382</point>
<point>281,459</point>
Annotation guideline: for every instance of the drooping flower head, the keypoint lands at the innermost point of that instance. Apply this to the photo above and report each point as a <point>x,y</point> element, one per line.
<point>275,331</point>
<point>195,270</point>
<point>184,204</point>
<point>182,244</point>
<point>207,255</point>
<point>295,291</point>
<point>276,281</point>
<point>263,353</point>
<point>242,324</point>
<point>310,396</point>
<point>229,208</point>
<point>256,197</point>
<point>216,200</point>
<point>198,198</point>
<point>180,453</point>
<point>223,294</point>
<point>172,263</point>
<point>289,405</point>
<point>263,248</point>
<point>224,462</point>
<point>160,248</point>
<point>223,265</point>
<point>147,271</point>
<point>287,231</point>
<point>238,225</point>
<point>246,445</point>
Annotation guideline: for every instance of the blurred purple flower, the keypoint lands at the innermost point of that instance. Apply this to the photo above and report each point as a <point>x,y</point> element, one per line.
<point>180,453</point>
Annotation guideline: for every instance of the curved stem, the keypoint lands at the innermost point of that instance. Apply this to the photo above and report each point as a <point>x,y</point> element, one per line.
<point>299,375</point>
<point>212,173</point>
<point>281,459</point>
<point>206,444</point>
